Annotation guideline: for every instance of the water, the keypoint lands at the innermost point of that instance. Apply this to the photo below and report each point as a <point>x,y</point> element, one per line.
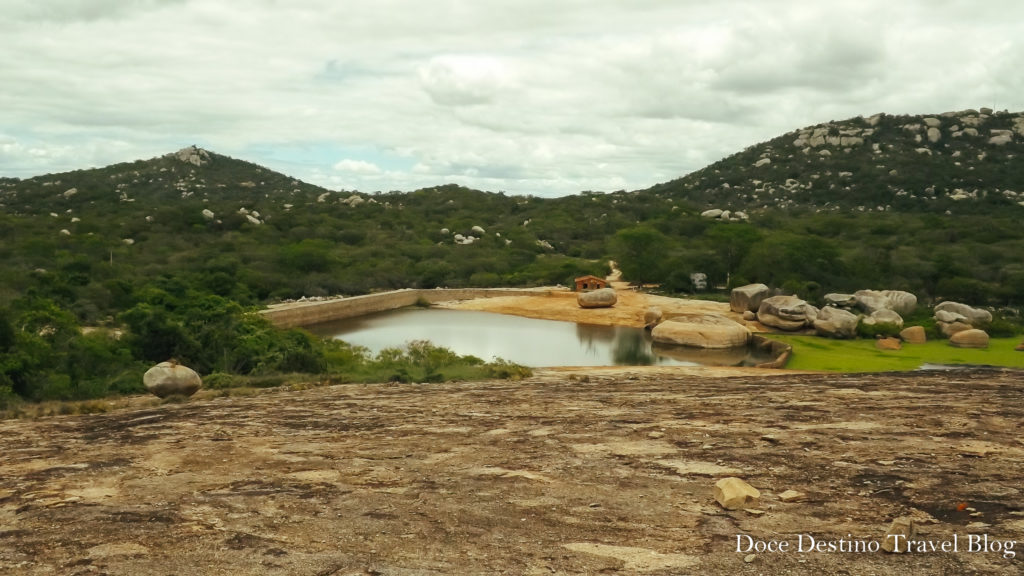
<point>526,341</point>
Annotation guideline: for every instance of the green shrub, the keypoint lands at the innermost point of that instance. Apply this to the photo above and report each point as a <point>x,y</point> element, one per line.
<point>221,381</point>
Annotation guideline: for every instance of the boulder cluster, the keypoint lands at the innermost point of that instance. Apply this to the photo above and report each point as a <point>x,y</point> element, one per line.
<point>875,311</point>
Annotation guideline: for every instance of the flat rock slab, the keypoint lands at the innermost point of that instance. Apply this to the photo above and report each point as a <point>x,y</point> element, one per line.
<point>543,476</point>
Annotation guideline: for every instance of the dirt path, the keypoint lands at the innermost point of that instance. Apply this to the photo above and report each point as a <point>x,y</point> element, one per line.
<point>570,472</point>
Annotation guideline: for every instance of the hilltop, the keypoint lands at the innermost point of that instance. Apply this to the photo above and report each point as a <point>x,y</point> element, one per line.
<point>965,162</point>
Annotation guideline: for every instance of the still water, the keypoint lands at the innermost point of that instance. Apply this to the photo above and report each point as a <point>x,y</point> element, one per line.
<point>526,341</point>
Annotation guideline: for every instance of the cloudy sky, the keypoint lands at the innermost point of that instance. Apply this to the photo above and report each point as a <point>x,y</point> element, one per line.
<point>547,97</point>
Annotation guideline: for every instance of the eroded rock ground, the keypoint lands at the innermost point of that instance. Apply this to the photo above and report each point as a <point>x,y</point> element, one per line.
<point>610,473</point>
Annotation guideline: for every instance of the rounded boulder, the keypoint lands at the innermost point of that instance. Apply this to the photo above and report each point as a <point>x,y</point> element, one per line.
<point>972,338</point>
<point>170,378</point>
<point>603,298</point>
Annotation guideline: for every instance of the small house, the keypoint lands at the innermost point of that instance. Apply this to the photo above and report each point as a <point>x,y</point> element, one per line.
<point>590,282</point>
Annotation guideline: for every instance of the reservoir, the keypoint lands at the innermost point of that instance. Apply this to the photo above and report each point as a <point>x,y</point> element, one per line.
<point>526,341</point>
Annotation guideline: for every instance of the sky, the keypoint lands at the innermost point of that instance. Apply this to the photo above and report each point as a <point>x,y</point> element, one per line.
<point>547,98</point>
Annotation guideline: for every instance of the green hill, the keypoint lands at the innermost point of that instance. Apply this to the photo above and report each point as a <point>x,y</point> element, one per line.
<point>967,162</point>
<point>171,251</point>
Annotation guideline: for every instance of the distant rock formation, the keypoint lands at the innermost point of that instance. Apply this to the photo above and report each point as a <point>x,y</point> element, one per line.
<point>193,155</point>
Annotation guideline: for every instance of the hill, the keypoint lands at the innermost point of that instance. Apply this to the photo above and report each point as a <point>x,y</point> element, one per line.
<point>172,251</point>
<point>963,162</point>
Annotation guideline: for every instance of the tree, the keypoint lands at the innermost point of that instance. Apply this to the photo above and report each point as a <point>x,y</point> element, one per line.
<point>640,253</point>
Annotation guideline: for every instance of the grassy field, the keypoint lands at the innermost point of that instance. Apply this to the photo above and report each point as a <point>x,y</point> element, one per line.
<point>814,353</point>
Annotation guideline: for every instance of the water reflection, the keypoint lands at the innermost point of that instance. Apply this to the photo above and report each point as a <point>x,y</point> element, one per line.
<point>526,341</point>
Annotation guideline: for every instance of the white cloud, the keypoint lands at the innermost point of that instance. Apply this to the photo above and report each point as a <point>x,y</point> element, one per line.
<point>357,166</point>
<point>527,96</point>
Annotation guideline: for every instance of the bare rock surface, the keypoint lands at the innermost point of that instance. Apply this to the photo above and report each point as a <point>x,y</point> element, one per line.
<point>550,475</point>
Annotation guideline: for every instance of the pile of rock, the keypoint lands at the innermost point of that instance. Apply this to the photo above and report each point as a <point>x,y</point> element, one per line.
<point>963,324</point>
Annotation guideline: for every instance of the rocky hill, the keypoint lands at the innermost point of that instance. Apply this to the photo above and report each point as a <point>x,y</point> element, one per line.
<point>971,161</point>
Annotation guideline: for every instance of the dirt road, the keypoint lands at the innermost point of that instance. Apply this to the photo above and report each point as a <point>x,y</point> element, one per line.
<point>604,472</point>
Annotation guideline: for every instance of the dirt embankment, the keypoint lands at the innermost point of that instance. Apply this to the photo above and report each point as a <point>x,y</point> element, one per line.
<point>570,472</point>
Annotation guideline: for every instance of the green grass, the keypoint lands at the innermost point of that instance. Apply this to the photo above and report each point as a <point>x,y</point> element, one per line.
<point>814,353</point>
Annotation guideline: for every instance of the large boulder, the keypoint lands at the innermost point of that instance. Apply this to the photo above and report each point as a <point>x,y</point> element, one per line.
<point>701,331</point>
<point>972,338</point>
<point>976,317</point>
<point>747,297</point>
<point>903,303</point>
<point>603,298</point>
<point>836,323</point>
<point>170,378</point>
<point>786,313</point>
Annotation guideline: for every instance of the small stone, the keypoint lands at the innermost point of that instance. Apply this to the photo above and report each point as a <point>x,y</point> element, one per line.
<point>902,526</point>
<point>792,496</point>
<point>733,493</point>
<point>595,504</point>
<point>978,527</point>
<point>754,511</point>
<point>886,462</point>
<point>656,435</point>
<point>749,558</point>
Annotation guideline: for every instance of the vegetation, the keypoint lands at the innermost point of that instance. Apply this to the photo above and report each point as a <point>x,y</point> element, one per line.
<point>822,354</point>
<point>106,271</point>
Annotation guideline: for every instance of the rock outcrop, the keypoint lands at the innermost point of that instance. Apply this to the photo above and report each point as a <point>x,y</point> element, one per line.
<point>603,298</point>
<point>701,331</point>
<point>747,297</point>
<point>786,313</point>
<point>972,338</point>
<point>170,378</point>
<point>976,317</point>
<point>903,303</point>
<point>836,323</point>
